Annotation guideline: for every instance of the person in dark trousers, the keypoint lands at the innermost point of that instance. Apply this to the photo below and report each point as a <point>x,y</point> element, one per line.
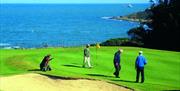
<point>44,65</point>
<point>139,65</point>
<point>117,66</point>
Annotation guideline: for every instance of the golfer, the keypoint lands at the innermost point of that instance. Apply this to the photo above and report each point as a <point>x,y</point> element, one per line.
<point>87,57</point>
<point>44,65</point>
<point>139,65</point>
<point>117,66</point>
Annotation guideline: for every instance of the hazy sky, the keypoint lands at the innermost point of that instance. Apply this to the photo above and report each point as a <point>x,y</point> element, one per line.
<point>74,1</point>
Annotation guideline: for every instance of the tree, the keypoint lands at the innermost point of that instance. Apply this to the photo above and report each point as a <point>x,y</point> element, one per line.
<point>165,33</point>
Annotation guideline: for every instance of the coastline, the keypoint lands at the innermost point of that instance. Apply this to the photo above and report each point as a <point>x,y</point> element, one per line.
<point>141,16</point>
<point>125,18</point>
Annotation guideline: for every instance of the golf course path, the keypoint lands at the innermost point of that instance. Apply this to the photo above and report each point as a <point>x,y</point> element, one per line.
<point>38,82</point>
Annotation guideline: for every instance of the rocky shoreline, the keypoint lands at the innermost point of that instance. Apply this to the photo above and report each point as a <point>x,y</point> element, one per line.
<point>142,16</point>
<point>129,19</point>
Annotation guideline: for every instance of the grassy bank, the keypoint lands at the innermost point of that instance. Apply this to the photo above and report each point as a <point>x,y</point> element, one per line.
<point>161,73</point>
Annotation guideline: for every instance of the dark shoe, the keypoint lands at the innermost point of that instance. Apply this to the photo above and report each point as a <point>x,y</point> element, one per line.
<point>142,81</point>
<point>136,81</point>
<point>114,73</point>
<point>117,77</point>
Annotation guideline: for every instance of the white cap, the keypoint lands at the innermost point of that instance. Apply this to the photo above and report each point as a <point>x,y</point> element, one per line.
<point>121,50</point>
<point>140,52</point>
<point>88,45</point>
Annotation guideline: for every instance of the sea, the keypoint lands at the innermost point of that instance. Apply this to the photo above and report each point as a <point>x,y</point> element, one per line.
<point>63,25</point>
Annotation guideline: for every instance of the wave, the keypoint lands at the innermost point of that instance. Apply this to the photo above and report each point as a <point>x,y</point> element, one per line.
<point>8,46</point>
<point>110,18</point>
<point>5,44</point>
<point>106,17</point>
<point>11,47</point>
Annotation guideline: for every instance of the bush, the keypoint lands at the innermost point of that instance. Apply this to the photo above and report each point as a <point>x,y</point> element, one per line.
<point>121,42</point>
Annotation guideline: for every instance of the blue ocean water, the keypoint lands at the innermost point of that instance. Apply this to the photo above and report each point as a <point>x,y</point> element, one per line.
<point>36,25</point>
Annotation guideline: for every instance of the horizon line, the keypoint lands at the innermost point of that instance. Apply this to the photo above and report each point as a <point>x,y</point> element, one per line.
<point>74,3</point>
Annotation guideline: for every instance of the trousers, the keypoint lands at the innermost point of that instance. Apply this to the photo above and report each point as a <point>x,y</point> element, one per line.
<point>117,69</point>
<point>87,61</point>
<point>138,71</point>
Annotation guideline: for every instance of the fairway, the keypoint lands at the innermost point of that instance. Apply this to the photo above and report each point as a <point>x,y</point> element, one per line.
<point>162,71</point>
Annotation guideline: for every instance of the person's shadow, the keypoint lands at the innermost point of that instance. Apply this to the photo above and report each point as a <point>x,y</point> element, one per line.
<point>98,75</point>
<point>70,65</point>
<point>124,81</point>
<point>34,70</point>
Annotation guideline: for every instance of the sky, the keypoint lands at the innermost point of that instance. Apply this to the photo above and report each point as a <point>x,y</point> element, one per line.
<point>74,1</point>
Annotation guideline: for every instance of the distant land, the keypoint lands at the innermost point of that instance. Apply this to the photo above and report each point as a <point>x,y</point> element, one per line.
<point>141,16</point>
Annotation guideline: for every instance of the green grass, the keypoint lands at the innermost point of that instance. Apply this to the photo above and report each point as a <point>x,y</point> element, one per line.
<point>161,73</point>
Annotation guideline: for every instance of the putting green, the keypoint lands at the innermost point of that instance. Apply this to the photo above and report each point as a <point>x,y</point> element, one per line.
<point>162,71</point>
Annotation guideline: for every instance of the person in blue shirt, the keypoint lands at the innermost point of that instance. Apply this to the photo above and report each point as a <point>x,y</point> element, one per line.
<point>117,66</point>
<point>139,65</point>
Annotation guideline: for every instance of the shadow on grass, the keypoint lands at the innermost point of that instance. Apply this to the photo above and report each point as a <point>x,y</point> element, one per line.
<point>59,77</point>
<point>170,90</point>
<point>98,75</point>
<point>70,65</point>
<point>125,81</point>
<point>64,78</point>
<point>34,70</point>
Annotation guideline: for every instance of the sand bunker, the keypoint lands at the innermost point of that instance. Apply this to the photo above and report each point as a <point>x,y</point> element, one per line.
<point>37,82</point>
